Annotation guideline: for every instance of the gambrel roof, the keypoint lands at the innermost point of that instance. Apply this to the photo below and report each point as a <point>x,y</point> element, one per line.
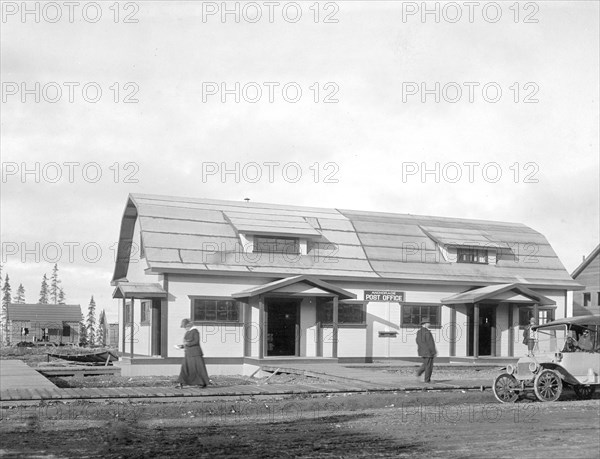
<point>202,236</point>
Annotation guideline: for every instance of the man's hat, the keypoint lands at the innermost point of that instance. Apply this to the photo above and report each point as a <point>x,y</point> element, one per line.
<point>425,321</point>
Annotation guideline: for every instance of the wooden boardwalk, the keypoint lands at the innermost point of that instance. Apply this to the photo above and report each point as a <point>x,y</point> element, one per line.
<point>16,374</point>
<point>20,383</point>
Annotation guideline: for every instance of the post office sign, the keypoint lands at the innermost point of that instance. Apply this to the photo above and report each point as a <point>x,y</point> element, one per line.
<point>384,295</point>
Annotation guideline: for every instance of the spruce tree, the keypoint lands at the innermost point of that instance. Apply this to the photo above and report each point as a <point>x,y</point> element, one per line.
<point>91,322</point>
<point>6,299</point>
<point>61,296</point>
<point>54,287</point>
<point>102,329</point>
<point>83,338</point>
<point>44,291</point>
<point>20,296</point>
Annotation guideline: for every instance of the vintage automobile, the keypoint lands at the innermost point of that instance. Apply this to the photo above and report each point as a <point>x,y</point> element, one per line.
<point>566,354</point>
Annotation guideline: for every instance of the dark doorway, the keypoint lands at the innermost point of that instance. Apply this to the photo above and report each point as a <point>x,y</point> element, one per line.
<point>487,330</point>
<point>156,326</point>
<point>283,323</point>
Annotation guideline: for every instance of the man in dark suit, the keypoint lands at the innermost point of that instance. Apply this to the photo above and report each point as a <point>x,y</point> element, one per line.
<point>426,350</point>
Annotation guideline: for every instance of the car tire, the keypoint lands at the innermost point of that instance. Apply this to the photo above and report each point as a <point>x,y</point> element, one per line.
<point>547,386</point>
<point>504,388</point>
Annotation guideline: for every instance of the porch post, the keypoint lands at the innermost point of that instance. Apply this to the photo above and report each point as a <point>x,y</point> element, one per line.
<point>123,325</point>
<point>164,330</point>
<point>536,314</point>
<point>452,331</point>
<point>261,327</point>
<point>335,327</point>
<point>493,333</point>
<point>132,325</point>
<point>511,331</point>
<point>476,330</point>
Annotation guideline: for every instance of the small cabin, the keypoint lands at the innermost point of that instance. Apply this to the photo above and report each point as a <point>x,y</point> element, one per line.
<point>49,323</point>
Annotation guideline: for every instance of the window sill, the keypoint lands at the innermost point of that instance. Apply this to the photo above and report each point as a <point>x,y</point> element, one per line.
<point>345,325</point>
<point>215,322</point>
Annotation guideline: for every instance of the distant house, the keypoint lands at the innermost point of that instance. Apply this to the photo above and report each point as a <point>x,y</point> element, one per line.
<point>588,274</point>
<point>56,323</point>
<point>269,284</point>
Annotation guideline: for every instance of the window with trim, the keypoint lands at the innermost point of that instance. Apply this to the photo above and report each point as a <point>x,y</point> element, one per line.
<point>128,313</point>
<point>66,331</point>
<point>215,310</point>
<point>587,299</point>
<point>288,245</point>
<point>465,255</point>
<point>526,313</point>
<point>597,298</point>
<point>414,314</point>
<point>145,312</point>
<point>348,313</point>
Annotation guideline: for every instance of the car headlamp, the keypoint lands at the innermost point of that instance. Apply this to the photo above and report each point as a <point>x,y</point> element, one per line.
<point>510,369</point>
<point>533,367</point>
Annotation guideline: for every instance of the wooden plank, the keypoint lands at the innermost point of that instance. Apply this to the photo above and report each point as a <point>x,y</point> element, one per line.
<point>389,240</point>
<point>335,224</point>
<point>227,206</point>
<point>233,205</point>
<point>387,228</point>
<point>187,241</point>
<point>166,212</point>
<point>166,225</point>
<point>409,253</point>
<point>341,237</point>
<point>276,229</point>
<point>246,217</point>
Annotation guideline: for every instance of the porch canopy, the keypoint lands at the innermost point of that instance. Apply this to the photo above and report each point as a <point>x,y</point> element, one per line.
<point>296,286</point>
<point>495,294</point>
<point>505,293</point>
<point>139,290</point>
<point>143,291</point>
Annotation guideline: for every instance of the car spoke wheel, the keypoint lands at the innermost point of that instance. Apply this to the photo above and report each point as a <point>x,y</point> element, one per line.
<point>504,388</point>
<point>584,392</point>
<point>547,386</point>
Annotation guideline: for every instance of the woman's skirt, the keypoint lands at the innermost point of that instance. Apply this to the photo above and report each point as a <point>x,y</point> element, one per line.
<point>193,372</point>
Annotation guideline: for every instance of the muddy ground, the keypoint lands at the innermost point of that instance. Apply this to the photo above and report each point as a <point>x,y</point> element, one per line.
<point>414,424</point>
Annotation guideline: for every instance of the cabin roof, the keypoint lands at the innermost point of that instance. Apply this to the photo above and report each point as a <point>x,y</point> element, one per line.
<point>44,313</point>
<point>202,236</point>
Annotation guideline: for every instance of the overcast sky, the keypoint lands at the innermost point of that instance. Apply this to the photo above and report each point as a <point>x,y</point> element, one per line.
<point>513,134</point>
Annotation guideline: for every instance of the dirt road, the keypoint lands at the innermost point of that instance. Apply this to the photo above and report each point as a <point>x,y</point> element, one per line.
<point>454,424</point>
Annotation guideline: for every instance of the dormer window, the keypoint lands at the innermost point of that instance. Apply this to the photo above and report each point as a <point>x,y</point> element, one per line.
<point>467,255</point>
<point>266,244</point>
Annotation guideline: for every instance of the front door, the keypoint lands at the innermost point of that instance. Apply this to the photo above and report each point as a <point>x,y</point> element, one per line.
<point>487,330</point>
<point>156,328</point>
<point>283,323</point>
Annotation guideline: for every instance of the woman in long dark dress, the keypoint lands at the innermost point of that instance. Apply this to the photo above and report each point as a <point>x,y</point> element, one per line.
<point>193,370</point>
